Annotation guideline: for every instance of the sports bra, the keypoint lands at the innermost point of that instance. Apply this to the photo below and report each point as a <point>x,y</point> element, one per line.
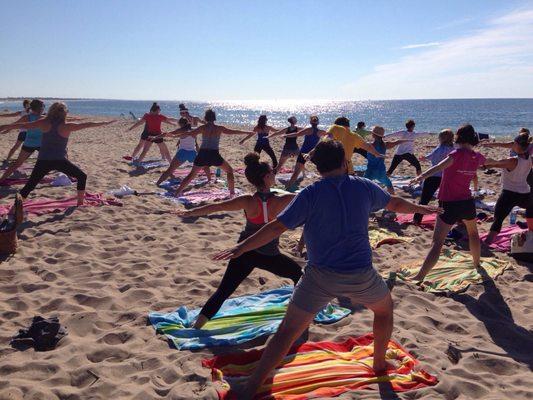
<point>262,218</point>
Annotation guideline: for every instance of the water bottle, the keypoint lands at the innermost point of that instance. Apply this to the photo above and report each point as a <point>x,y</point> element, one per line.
<point>218,172</point>
<point>512,218</point>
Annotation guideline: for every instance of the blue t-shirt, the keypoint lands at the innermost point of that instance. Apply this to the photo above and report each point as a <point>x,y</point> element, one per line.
<point>438,154</point>
<point>376,163</point>
<point>334,212</point>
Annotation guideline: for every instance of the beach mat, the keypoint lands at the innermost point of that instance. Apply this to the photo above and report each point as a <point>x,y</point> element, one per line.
<point>454,272</point>
<point>379,236</point>
<point>239,320</point>
<point>321,370</point>
<point>183,172</point>
<point>502,242</point>
<point>428,221</point>
<point>43,206</point>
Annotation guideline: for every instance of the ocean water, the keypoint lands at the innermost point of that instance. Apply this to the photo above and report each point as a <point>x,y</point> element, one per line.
<point>493,116</point>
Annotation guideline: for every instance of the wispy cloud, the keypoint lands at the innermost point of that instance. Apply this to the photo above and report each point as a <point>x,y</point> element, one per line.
<point>418,46</point>
<point>495,61</point>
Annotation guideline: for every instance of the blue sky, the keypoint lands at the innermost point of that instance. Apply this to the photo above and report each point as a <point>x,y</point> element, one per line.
<point>252,49</point>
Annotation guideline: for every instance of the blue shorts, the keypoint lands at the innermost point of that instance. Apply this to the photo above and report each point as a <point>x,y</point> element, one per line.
<point>185,155</point>
<point>379,175</point>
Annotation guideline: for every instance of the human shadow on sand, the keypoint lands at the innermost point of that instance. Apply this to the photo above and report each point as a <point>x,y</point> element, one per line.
<point>491,309</point>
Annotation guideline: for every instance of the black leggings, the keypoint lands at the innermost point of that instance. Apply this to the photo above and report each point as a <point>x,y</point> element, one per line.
<point>410,158</point>
<point>239,268</point>
<point>505,204</point>
<point>43,167</point>
<point>266,147</point>
<point>429,188</point>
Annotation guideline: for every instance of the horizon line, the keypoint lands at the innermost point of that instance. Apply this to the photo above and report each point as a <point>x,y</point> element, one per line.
<point>13,98</point>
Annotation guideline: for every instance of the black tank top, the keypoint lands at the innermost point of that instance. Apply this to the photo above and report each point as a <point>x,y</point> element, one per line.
<point>291,142</point>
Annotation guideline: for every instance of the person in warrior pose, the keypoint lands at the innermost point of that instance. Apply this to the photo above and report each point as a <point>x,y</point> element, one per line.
<point>259,208</point>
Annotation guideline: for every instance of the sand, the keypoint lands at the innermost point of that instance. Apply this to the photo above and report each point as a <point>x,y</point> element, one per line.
<point>101,270</point>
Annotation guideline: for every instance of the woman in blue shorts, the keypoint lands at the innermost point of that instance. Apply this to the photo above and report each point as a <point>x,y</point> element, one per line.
<point>375,168</point>
<point>187,150</point>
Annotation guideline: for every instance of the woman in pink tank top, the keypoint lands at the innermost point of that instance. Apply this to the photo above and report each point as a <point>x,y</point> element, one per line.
<point>459,168</point>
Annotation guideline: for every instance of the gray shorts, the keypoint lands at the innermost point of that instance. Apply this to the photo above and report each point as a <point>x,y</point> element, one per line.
<point>318,286</point>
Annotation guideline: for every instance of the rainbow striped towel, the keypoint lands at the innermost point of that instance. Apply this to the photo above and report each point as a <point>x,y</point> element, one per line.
<point>323,369</point>
<point>239,320</point>
<point>454,271</point>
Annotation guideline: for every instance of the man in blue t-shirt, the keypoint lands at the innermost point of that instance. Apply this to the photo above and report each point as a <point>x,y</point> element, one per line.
<point>334,212</point>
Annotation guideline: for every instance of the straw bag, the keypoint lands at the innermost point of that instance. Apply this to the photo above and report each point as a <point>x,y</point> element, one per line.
<point>8,239</point>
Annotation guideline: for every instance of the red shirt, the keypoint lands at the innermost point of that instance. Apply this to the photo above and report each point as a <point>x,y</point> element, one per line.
<point>455,184</point>
<point>153,123</point>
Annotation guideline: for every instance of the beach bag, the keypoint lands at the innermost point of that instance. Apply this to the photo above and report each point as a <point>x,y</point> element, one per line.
<point>522,246</point>
<point>8,237</point>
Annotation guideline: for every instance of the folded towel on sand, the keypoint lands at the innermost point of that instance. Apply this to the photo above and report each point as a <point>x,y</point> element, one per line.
<point>322,369</point>
<point>44,206</point>
<point>502,242</point>
<point>239,320</point>
<point>428,221</point>
<point>454,271</point>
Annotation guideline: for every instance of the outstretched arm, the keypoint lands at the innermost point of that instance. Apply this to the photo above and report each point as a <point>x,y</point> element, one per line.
<point>508,163</point>
<point>12,114</point>
<point>394,143</point>
<point>247,137</point>
<point>506,145</point>
<point>136,124</point>
<point>238,203</point>
<point>371,149</point>
<point>72,127</point>
<point>303,132</point>
<point>436,168</point>
<point>39,124</point>
<point>397,204</point>
<point>277,133</point>
<point>266,234</point>
<point>229,131</point>
<point>170,121</point>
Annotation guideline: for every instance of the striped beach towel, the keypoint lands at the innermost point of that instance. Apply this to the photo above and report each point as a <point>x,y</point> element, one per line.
<point>239,320</point>
<point>454,271</point>
<point>323,369</point>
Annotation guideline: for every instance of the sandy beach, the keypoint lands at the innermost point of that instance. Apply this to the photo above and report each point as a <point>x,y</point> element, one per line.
<point>102,269</point>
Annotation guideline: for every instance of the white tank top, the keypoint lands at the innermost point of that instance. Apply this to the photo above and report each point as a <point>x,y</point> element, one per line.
<point>188,143</point>
<point>516,180</point>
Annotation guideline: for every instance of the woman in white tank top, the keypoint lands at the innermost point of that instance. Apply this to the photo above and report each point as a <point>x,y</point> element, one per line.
<point>515,189</point>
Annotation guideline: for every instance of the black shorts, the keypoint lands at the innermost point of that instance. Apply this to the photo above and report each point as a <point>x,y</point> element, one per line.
<point>30,149</point>
<point>455,211</point>
<point>208,158</point>
<point>21,137</point>
<point>145,134</point>
<point>158,140</point>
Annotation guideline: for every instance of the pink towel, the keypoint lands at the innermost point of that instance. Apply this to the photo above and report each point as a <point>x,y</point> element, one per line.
<point>45,206</point>
<point>428,221</point>
<point>502,242</point>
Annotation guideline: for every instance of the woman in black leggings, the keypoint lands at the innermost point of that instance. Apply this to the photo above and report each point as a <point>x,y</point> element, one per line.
<point>263,130</point>
<point>259,209</point>
<point>53,151</point>
<point>515,188</point>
